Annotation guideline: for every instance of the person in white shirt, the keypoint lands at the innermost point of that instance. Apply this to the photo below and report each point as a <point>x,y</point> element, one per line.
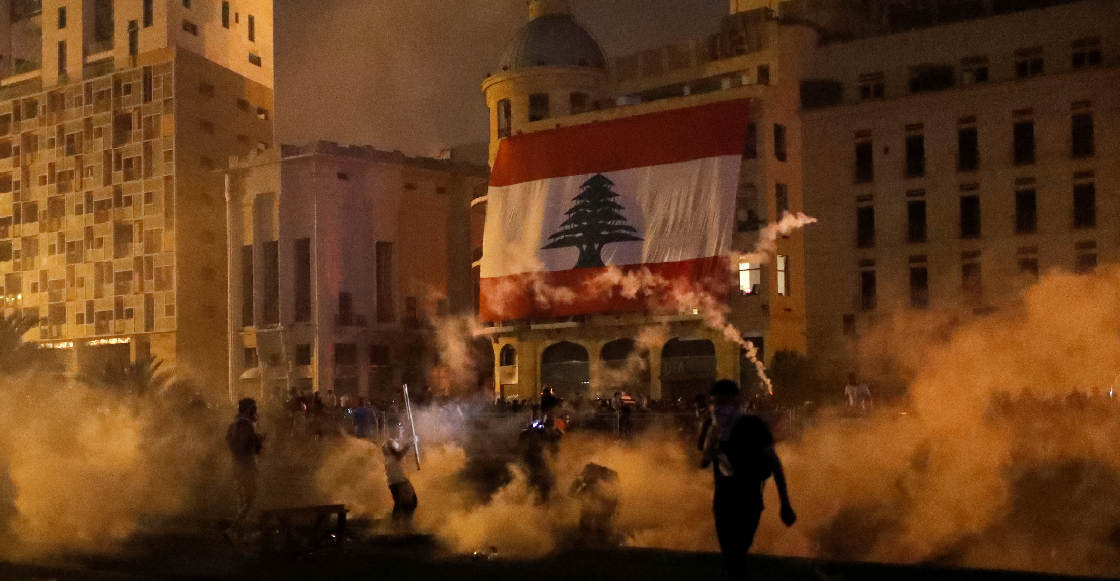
<point>859,395</point>
<point>404,495</point>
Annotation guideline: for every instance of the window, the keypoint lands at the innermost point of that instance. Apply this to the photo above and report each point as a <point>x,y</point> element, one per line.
<point>779,142</point>
<point>916,220</point>
<point>1028,62</point>
<point>251,359</point>
<point>974,70</point>
<point>1024,142</point>
<point>867,298</point>
<point>580,102</point>
<point>750,278</point>
<point>1028,267</point>
<point>1086,53</point>
<point>750,146</point>
<point>255,59</point>
<point>781,200</point>
<point>149,16</point>
<point>762,73</point>
<point>384,283</point>
<point>303,354</point>
<point>243,104</point>
<point>970,216</point>
<point>783,267</point>
<point>1084,205</point>
<point>62,17</point>
<point>262,114</point>
<point>252,28</point>
<point>1086,262</point>
<point>972,285</point>
<point>345,309</point>
<point>915,156</point>
<point>270,283</point>
<point>968,149</point>
<point>225,14</point>
<point>930,78</point>
<point>865,166</point>
<point>538,106</point>
<point>190,27</point>
<point>247,285</point>
<point>865,226</point>
<point>1026,212</point>
<point>1081,132</point>
<point>919,287</point>
<point>505,115</point>
<point>303,280</point>
<point>871,86</point>
<point>62,57</point>
<point>746,209</point>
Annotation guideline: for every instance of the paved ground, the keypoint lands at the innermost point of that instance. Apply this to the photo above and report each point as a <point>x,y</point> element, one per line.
<point>189,557</point>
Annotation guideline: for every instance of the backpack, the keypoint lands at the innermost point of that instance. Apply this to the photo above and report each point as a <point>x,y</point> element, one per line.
<point>746,449</point>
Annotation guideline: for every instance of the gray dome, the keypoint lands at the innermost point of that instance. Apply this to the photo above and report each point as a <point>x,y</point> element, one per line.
<point>553,40</point>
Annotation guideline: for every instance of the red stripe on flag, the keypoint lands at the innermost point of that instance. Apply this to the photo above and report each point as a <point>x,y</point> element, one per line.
<point>660,288</point>
<point>676,136</point>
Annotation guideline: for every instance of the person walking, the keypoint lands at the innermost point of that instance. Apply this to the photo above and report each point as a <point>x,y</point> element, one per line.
<point>404,495</point>
<point>859,395</point>
<point>740,450</point>
<point>245,444</point>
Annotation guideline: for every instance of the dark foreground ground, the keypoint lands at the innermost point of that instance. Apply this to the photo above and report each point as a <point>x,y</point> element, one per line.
<point>206,557</point>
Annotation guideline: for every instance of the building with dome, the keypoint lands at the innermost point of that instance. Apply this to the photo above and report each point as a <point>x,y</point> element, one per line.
<point>952,152</point>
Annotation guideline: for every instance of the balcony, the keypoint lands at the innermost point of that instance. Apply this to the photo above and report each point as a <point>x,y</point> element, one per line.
<point>98,51</point>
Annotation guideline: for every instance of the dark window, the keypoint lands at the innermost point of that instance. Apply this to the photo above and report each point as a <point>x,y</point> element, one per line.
<point>930,78</point>
<point>251,359</point>
<point>247,286</point>
<point>1028,67</point>
<point>763,74</point>
<point>1029,266</point>
<point>252,28</point>
<point>270,291</point>
<point>968,149</point>
<point>303,280</point>
<point>133,38</point>
<point>345,354</point>
<point>1081,130</point>
<point>750,147</point>
<point>255,59</point>
<point>62,17</point>
<point>149,16</point>
<point>384,283</point>
<point>379,355</point>
<point>849,324</point>
<point>303,354</point>
<point>225,14</point>
<point>972,285</point>
<point>345,309</point>
<point>190,27</point>
<point>970,216</point>
<point>1024,142</point>
<point>580,102</point>
<point>149,312</point>
<point>865,226</point>
<point>781,199</point>
<point>779,142</point>
<point>1026,212</point>
<point>916,218</point>
<point>538,106</point>
<point>102,20</point>
<point>1086,262</point>
<point>915,156</point>
<point>505,115</point>
<point>62,57</point>
<point>1084,205</point>
<point>919,287</point>
<point>865,165</point>
<point>867,298</point>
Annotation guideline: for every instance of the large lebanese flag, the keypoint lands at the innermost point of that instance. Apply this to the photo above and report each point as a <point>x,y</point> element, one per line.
<point>653,195</point>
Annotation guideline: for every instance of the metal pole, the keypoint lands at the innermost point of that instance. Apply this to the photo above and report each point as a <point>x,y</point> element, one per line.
<point>230,329</point>
<point>412,424</point>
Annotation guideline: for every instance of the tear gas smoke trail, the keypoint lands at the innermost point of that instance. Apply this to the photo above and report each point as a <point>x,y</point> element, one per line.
<point>768,238</point>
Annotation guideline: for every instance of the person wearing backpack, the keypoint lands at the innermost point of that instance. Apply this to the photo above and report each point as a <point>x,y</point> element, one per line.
<point>740,449</point>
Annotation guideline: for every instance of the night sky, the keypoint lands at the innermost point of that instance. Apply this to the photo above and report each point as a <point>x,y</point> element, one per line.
<point>405,74</point>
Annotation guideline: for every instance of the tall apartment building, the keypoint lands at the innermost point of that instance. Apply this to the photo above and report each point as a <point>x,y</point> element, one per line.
<point>115,117</point>
<point>345,258</point>
<point>955,162</point>
<point>945,148</point>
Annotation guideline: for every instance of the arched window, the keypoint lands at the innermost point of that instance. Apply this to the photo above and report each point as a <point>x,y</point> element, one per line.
<point>507,356</point>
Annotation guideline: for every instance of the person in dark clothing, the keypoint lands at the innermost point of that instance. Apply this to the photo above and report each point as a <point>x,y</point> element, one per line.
<point>598,491</point>
<point>740,450</point>
<point>245,444</point>
<point>539,442</point>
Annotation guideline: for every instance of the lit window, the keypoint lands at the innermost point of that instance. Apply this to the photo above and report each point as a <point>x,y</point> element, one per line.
<point>783,274</point>
<point>750,278</point>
